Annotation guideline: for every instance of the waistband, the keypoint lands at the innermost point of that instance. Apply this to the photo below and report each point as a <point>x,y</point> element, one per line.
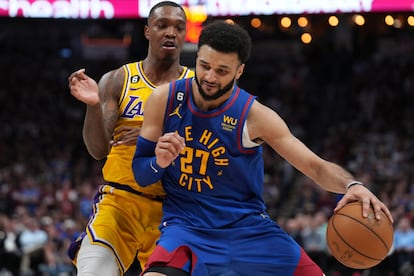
<point>129,189</point>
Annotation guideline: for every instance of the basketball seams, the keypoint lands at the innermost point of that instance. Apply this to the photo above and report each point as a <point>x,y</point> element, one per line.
<point>358,242</point>
<point>352,247</point>
<point>370,229</point>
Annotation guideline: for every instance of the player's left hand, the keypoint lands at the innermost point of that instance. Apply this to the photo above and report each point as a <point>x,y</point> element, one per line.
<point>126,135</point>
<point>168,148</point>
<point>364,195</point>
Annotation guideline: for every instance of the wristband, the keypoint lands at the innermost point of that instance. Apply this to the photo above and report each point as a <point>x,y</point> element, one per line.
<point>146,170</point>
<point>353,183</point>
<point>144,166</point>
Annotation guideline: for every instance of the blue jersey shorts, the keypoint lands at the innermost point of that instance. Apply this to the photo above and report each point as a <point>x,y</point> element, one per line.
<point>260,247</point>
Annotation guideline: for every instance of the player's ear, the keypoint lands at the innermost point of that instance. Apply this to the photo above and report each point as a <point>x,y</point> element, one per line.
<point>146,32</point>
<point>240,71</point>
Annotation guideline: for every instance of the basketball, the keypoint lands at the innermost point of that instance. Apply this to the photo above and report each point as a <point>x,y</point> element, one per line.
<point>359,242</point>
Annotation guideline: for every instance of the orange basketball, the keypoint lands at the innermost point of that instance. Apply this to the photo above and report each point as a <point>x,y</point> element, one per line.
<point>359,242</point>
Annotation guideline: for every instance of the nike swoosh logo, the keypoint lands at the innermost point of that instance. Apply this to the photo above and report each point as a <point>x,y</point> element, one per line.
<point>153,168</point>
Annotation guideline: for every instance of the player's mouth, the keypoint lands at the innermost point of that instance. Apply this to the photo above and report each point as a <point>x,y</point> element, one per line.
<point>169,44</point>
<point>209,86</point>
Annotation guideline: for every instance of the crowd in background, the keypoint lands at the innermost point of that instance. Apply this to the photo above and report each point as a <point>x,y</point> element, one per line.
<point>352,106</point>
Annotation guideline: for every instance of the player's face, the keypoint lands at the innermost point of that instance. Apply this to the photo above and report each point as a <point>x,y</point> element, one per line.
<point>216,72</point>
<point>166,32</point>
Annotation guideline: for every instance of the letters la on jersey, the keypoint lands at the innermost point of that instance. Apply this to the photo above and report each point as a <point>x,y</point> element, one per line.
<point>136,90</point>
<point>213,140</point>
<point>135,93</point>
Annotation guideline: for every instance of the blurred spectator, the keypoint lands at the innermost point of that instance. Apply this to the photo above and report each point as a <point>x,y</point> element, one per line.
<point>314,239</point>
<point>10,253</point>
<point>56,262</point>
<point>404,247</point>
<point>32,241</point>
<point>66,197</point>
<point>293,226</point>
<point>86,192</point>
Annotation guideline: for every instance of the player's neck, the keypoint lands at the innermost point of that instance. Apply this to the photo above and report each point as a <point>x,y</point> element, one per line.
<point>161,71</point>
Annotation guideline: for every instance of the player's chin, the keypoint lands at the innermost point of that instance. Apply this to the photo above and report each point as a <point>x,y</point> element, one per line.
<point>210,90</point>
<point>170,55</point>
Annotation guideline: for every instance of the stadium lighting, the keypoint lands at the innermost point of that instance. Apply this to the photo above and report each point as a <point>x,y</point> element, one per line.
<point>306,38</point>
<point>303,22</point>
<point>410,20</point>
<point>389,20</point>
<point>359,20</point>
<point>333,20</point>
<point>285,22</point>
<point>256,22</point>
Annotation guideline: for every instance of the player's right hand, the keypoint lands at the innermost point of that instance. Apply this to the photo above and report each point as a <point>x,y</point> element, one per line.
<point>168,148</point>
<point>83,88</point>
<point>125,135</point>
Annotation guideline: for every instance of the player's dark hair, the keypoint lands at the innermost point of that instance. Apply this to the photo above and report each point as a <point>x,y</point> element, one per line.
<point>226,38</point>
<point>163,4</point>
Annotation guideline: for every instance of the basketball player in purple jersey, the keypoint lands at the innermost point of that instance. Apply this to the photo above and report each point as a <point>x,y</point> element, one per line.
<point>123,227</point>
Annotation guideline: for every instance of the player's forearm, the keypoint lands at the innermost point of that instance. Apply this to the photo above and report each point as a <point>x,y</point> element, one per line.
<point>333,177</point>
<point>146,171</point>
<point>94,135</point>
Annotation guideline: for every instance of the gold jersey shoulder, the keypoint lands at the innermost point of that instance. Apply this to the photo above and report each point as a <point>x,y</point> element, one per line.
<point>136,90</point>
